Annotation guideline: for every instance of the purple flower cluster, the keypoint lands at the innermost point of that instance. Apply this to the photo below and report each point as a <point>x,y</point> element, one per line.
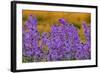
<point>61,43</point>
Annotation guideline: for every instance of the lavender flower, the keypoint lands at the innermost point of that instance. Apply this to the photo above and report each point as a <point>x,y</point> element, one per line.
<point>62,42</point>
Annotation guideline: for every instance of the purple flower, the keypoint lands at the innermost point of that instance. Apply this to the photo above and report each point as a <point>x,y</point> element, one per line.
<point>62,21</point>
<point>86,30</point>
<point>62,42</point>
<point>32,20</point>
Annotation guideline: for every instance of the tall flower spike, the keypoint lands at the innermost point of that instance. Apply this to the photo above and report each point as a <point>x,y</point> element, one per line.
<point>86,31</point>
<point>85,27</point>
<point>62,21</point>
<point>32,20</point>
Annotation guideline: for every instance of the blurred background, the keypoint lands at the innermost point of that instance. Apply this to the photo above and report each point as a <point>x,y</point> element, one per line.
<point>48,18</point>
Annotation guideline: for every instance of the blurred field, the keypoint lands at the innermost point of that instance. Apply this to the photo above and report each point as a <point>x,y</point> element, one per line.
<point>47,18</point>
